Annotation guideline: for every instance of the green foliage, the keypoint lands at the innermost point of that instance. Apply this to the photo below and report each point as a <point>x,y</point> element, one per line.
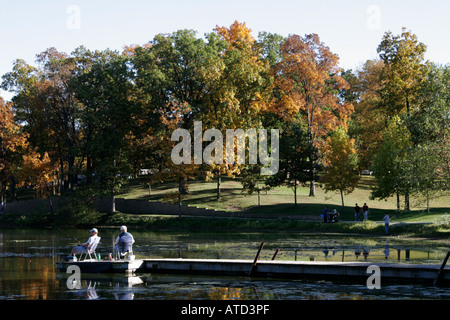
<point>294,164</point>
<point>76,210</point>
<point>404,72</point>
<point>390,160</point>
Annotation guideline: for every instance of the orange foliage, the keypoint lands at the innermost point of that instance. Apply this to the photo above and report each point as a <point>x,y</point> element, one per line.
<point>238,32</point>
<point>308,79</point>
<point>11,137</point>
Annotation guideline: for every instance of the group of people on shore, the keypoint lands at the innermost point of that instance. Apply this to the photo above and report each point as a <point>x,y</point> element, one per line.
<point>330,216</point>
<point>365,211</point>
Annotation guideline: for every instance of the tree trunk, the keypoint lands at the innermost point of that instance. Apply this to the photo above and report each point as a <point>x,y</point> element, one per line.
<point>407,107</point>
<point>407,201</point>
<point>180,187</point>
<point>312,188</point>
<point>50,203</point>
<point>3,191</point>
<point>113,202</point>
<point>12,188</point>
<point>219,180</point>
<point>342,199</point>
<point>295,192</point>
<point>259,192</point>
<point>398,201</point>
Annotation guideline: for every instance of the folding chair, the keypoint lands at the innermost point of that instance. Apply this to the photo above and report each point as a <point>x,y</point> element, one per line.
<point>91,250</point>
<point>124,247</point>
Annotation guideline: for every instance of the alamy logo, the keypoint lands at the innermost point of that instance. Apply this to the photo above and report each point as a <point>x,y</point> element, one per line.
<point>374,280</point>
<point>74,281</point>
<point>213,153</point>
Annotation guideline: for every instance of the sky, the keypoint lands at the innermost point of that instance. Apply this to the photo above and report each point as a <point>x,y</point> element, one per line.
<point>352,29</point>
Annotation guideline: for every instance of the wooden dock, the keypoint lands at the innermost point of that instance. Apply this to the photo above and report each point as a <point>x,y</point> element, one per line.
<point>346,271</point>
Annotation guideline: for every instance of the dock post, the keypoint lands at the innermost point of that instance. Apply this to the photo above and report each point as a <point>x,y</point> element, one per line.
<point>275,254</point>
<point>441,269</point>
<point>256,258</point>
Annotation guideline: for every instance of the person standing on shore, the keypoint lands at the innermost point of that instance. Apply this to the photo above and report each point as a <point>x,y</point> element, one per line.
<point>325,214</point>
<point>365,211</point>
<point>386,223</point>
<point>357,208</point>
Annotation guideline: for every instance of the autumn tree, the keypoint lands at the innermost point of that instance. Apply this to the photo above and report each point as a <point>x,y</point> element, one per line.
<point>307,82</point>
<point>45,103</point>
<point>175,77</point>
<point>39,172</point>
<point>369,119</point>
<point>405,70</point>
<point>13,142</point>
<point>341,164</point>
<point>240,92</point>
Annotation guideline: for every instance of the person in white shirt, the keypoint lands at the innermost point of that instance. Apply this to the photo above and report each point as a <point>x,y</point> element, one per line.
<point>84,247</point>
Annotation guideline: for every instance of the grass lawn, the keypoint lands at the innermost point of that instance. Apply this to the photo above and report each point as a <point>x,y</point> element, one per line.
<point>281,200</point>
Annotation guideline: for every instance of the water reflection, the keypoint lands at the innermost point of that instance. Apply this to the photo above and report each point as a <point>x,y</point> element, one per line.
<point>368,252</point>
<point>176,287</point>
<point>98,286</point>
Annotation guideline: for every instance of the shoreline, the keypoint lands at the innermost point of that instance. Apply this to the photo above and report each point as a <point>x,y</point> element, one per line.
<point>345,228</point>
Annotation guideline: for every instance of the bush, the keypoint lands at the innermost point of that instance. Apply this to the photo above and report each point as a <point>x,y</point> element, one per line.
<point>76,210</point>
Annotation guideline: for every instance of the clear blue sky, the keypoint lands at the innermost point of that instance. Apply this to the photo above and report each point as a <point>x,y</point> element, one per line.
<point>352,29</point>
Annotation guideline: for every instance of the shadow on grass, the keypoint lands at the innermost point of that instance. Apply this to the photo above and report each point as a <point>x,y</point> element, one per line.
<point>346,214</point>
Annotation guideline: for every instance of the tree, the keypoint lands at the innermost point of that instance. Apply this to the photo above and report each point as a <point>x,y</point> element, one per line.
<point>294,156</point>
<point>12,143</point>
<point>422,172</point>
<point>269,47</point>
<point>110,112</point>
<point>177,83</point>
<point>429,161</point>
<point>390,163</point>
<point>341,164</point>
<point>40,172</point>
<point>431,123</point>
<point>405,70</point>
<point>46,104</point>
<point>239,94</point>
<point>369,120</point>
<point>308,81</point>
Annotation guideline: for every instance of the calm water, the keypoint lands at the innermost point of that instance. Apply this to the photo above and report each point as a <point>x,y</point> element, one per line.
<point>28,259</point>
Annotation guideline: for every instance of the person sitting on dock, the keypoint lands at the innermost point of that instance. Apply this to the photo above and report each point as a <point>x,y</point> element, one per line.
<point>124,242</point>
<point>84,247</point>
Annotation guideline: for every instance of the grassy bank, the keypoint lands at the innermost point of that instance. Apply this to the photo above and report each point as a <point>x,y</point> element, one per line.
<point>280,201</point>
<point>277,211</point>
<point>186,224</point>
<point>165,223</point>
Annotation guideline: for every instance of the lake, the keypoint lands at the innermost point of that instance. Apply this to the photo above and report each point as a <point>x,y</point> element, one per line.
<point>28,265</point>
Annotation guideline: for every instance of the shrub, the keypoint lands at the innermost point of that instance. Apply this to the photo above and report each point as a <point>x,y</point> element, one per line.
<point>76,210</point>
